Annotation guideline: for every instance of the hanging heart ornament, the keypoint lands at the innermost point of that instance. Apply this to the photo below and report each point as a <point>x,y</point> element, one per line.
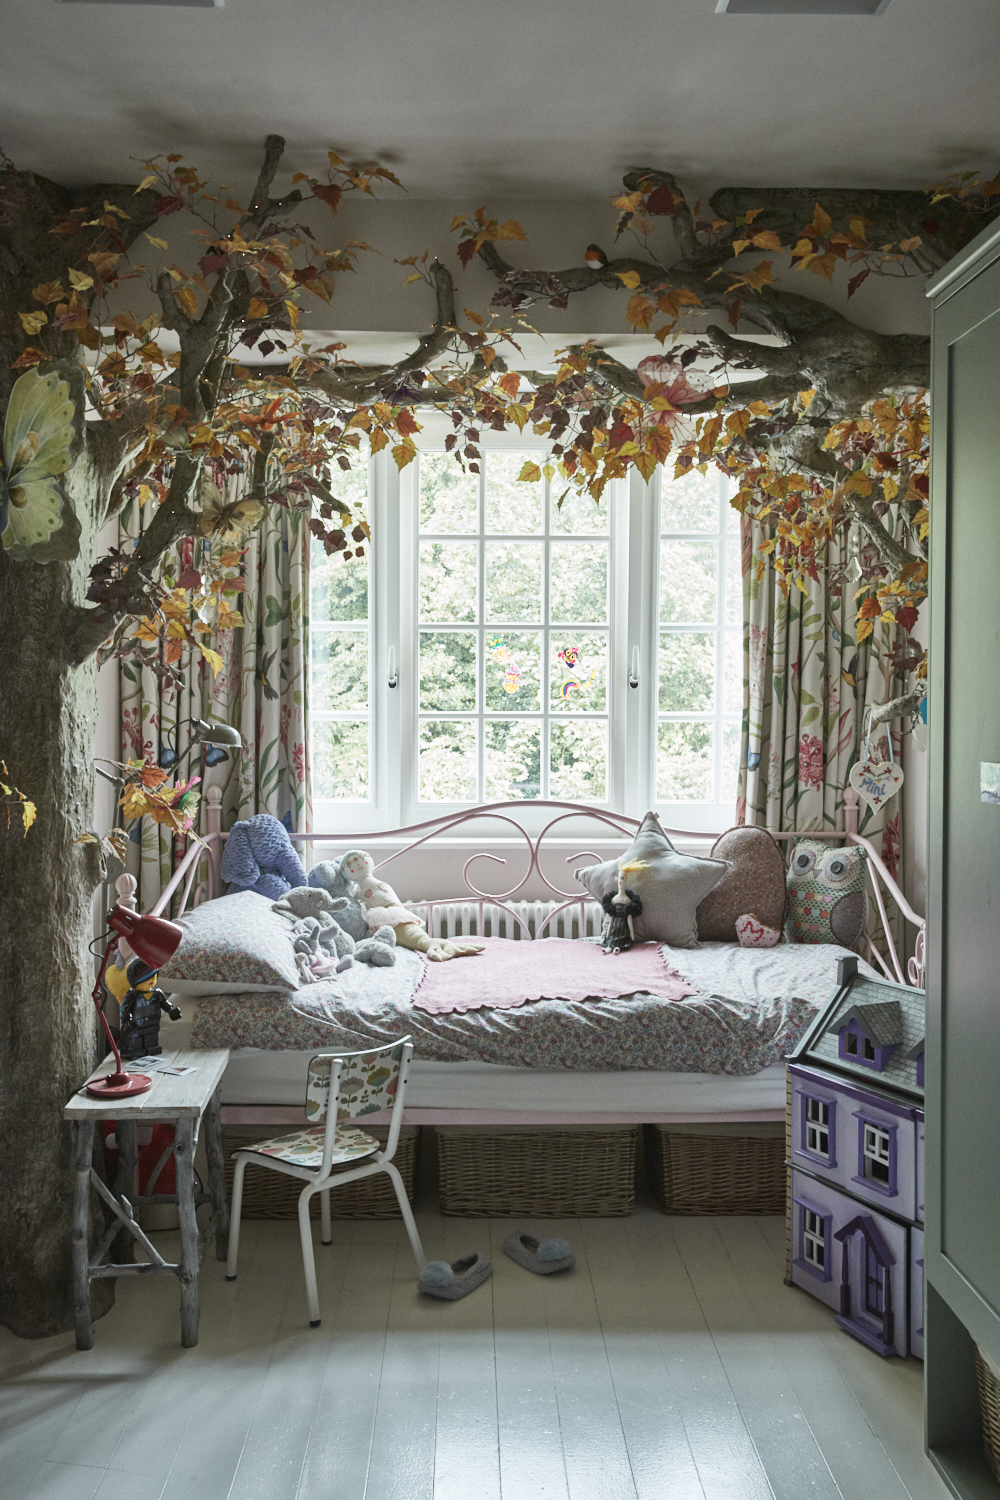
<point>876,781</point>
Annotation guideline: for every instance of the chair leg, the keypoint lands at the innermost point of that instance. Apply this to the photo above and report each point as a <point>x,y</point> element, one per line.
<point>407,1212</point>
<point>234,1219</point>
<point>326,1230</point>
<point>308,1258</point>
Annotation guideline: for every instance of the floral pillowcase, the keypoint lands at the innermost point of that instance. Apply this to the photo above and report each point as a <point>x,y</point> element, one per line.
<point>232,946</point>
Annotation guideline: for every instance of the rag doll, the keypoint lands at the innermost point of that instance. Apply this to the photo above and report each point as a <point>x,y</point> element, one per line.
<point>383,906</point>
<point>621,909</point>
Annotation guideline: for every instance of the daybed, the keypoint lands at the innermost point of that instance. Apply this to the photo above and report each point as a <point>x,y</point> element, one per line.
<point>714,1057</point>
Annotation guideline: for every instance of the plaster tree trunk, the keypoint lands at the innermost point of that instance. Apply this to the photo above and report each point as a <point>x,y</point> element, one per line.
<point>47,1023</point>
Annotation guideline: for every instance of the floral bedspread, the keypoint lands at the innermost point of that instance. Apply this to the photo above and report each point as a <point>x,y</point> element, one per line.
<point>752,1007</point>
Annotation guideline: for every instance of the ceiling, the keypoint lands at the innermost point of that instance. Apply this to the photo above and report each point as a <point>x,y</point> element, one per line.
<point>513,99</point>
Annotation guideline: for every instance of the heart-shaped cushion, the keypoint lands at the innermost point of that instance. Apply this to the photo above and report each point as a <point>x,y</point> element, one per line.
<point>876,783</point>
<point>755,934</point>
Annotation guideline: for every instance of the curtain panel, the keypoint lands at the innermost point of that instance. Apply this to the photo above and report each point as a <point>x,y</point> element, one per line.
<point>806,687</point>
<point>261,690</point>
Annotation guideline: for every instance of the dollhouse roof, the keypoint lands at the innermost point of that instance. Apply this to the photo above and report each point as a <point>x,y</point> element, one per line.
<point>880,1020</point>
<point>892,1015</point>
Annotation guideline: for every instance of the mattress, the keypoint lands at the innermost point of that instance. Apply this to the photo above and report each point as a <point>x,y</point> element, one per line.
<point>439,1092</point>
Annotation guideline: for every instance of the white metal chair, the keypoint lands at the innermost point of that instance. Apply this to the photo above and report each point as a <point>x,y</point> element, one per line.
<point>341,1086</point>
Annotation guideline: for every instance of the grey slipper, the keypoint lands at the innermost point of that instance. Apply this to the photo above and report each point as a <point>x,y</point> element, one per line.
<point>439,1279</point>
<point>541,1256</point>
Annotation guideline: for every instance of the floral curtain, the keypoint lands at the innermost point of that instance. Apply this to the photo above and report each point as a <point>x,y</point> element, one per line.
<point>260,689</point>
<point>806,686</point>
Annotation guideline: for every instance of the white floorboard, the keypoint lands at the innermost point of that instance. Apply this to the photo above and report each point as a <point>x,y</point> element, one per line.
<point>673,1362</point>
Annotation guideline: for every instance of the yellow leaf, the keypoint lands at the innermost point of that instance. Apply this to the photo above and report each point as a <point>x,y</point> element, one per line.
<point>631,279</point>
<point>857,227</point>
<point>548,470</point>
<point>518,414</point>
<point>510,229</point>
<point>473,317</point>
<point>146,182</point>
<point>646,464</point>
<point>865,628</point>
<point>378,440</point>
<point>160,244</point>
<point>766,239</point>
<point>821,220</point>
<point>907,245</point>
<point>639,311</point>
<point>79,280</point>
<point>33,322</point>
<point>807,398</point>
<point>657,442</point>
<point>187,299</point>
<point>257,308</point>
<point>404,453</point>
<point>416,276</point>
<point>530,473</point>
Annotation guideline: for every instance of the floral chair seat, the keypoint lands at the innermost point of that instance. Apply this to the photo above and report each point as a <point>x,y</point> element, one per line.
<point>304,1148</point>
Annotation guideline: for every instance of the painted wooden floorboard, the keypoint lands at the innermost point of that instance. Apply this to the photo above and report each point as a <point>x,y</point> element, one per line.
<point>729,1467</point>
<point>672,1364</point>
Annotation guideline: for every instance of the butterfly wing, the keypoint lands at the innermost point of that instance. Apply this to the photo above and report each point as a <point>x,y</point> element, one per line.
<point>43,435</point>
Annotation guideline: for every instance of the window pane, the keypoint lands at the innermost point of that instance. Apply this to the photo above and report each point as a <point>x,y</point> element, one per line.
<point>688,581</point>
<point>733,519</point>
<point>447,761</point>
<point>687,672</point>
<point>730,761</point>
<point>578,666</point>
<point>691,503</point>
<point>513,671</point>
<point>340,760</point>
<point>512,759</point>
<point>449,499</point>
<point>578,581</point>
<point>448,580</point>
<point>513,508</point>
<point>732,664</point>
<point>338,590</point>
<point>447,671</point>
<point>684,763</point>
<point>514,581</point>
<point>734,583</point>
<point>577,514</point>
<point>339,663</point>
<point>579,761</point>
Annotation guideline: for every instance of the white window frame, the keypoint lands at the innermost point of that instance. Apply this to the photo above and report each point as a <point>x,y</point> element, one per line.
<point>818,1130</point>
<point>813,1238</point>
<point>877,1147</point>
<point>633,619</point>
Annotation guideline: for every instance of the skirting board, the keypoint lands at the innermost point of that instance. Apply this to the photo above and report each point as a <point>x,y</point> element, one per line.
<point>289,1114</point>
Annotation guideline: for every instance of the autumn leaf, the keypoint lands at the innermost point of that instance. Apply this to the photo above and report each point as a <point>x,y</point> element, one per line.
<point>329,193</point>
<point>257,308</point>
<point>33,322</point>
<point>80,281</point>
<point>212,657</point>
<point>404,453</point>
<point>530,473</point>
<point>510,229</point>
<point>639,311</point>
<point>631,279</point>
<point>518,415</point>
<point>820,225</point>
<point>657,442</point>
<point>662,201</point>
<point>187,299</point>
<point>510,383</point>
<point>154,240</point>
<point>168,204</point>
<point>406,422</point>
<point>378,440</point>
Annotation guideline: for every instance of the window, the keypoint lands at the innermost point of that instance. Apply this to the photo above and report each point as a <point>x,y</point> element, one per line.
<point>813,1239</point>
<point>700,666</point>
<point>817,1127</point>
<point>340,667</point>
<point>867,1049</point>
<point>513,637</point>
<point>877,1153</point>
<point>484,650</point>
<point>851,1043</point>
<point>874,1293</point>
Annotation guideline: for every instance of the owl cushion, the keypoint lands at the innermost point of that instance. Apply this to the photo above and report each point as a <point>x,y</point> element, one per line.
<point>669,885</point>
<point>754,884</point>
<point>825,894</point>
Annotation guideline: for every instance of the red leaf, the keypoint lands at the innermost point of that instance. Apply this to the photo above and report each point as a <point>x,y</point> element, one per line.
<point>169,204</point>
<point>856,281</point>
<point>466,251</point>
<point>734,314</point>
<point>662,201</point>
<point>213,262</point>
<point>189,579</point>
<point>330,193</point>
<point>620,433</point>
<point>907,616</point>
<point>307,273</point>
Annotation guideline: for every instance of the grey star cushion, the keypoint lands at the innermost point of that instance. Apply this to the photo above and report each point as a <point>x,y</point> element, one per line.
<point>669,885</point>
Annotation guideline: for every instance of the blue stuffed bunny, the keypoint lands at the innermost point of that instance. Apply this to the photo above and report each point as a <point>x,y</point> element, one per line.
<point>259,856</point>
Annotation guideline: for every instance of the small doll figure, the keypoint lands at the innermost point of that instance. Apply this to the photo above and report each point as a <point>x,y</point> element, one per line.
<point>621,910</point>
<point>139,1015</point>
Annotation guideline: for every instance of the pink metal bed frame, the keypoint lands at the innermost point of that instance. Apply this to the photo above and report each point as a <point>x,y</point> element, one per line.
<point>185,885</point>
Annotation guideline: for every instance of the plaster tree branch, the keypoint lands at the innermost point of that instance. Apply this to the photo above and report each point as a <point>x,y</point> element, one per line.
<point>862,509</point>
<point>682,219</point>
<point>356,384</point>
<point>897,708</point>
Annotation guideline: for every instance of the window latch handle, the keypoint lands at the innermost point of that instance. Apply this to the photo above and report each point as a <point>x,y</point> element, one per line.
<point>633,679</point>
<point>393,677</point>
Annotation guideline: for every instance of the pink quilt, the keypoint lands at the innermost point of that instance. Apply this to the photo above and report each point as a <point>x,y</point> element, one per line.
<point>510,973</point>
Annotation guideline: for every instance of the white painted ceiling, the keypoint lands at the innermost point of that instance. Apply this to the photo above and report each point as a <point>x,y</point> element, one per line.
<point>515,98</point>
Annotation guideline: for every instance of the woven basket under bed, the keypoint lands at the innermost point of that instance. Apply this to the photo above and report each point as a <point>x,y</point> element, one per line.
<point>272,1195</point>
<point>989,1401</point>
<point>536,1171</point>
<point>717,1169</point>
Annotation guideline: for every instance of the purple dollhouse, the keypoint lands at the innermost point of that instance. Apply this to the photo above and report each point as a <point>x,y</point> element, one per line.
<point>856,1138</point>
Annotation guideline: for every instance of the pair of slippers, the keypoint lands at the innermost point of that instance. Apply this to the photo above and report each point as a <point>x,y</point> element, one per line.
<point>451,1282</point>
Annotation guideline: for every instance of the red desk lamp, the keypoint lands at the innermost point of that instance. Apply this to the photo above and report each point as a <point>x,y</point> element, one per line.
<point>153,940</point>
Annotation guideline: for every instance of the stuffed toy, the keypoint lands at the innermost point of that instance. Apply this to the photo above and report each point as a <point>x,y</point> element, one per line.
<point>826,893</point>
<point>621,909</point>
<point>321,945</point>
<point>259,856</point>
<point>383,907</point>
<point>327,875</point>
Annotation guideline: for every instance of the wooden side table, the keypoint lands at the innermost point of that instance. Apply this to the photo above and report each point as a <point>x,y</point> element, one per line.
<point>178,1100</point>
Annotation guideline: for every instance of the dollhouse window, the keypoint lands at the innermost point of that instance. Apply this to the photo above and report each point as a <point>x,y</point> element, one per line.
<point>877,1154</point>
<point>851,1043</point>
<point>817,1127</point>
<point>867,1049</point>
<point>813,1239</point>
<point>874,1290</point>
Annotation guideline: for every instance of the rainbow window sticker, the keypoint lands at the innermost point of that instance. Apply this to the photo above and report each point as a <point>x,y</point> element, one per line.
<point>574,678</point>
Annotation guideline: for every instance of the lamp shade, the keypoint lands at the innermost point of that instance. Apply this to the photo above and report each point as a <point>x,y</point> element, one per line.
<point>222,735</point>
<point>153,939</point>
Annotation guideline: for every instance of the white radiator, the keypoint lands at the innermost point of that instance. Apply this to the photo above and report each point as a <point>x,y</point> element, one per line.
<point>462,919</point>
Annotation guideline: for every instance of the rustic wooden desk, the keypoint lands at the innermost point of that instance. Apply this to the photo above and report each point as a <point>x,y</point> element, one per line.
<point>181,1101</point>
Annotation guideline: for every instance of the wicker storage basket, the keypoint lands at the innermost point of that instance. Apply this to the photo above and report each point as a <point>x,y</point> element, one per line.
<point>717,1169</point>
<point>272,1195</point>
<point>989,1401</point>
<point>536,1171</point>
